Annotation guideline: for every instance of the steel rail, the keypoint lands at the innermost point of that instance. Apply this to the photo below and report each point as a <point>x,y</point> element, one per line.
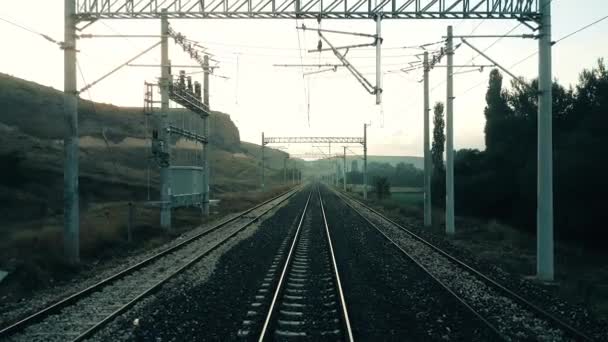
<point>61,304</point>
<point>570,330</point>
<point>279,288</point>
<point>348,329</point>
<point>437,280</point>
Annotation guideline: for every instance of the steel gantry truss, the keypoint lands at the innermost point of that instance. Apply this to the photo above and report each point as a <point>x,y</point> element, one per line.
<point>538,12</point>
<point>313,140</point>
<point>312,9</point>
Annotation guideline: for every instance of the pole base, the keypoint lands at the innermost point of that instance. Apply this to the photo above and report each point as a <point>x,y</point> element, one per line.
<point>545,283</point>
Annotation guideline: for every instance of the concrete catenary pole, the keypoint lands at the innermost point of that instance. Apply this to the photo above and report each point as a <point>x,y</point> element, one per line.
<point>344,169</point>
<point>378,59</point>
<point>449,172</point>
<point>163,135</point>
<point>427,151</point>
<point>544,221</point>
<point>206,166</point>
<point>71,218</point>
<point>263,161</point>
<point>365,161</point>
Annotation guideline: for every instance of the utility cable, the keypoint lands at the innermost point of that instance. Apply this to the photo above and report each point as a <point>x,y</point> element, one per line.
<point>581,29</point>
<point>103,130</point>
<point>536,52</point>
<point>306,91</point>
<point>46,37</point>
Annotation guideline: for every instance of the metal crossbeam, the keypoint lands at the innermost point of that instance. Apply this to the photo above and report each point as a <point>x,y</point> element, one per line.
<point>308,9</point>
<point>312,140</point>
<point>319,156</point>
<point>187,134</point>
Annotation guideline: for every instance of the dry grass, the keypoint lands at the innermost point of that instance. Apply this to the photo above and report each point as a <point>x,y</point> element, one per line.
<point>33,251</point>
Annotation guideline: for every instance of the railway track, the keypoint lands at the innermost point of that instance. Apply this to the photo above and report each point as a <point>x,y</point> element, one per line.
<point>502,311</point>
<point>82,314</point>
<point>301,296</point>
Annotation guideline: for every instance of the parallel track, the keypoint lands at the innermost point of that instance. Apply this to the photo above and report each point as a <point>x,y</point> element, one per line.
<point>307,300</point>
<point>184,254</point>
<point>565,327</point>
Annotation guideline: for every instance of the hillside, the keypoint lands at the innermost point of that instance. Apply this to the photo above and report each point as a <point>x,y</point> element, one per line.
<point>31,151</point>
<point>114,170</point>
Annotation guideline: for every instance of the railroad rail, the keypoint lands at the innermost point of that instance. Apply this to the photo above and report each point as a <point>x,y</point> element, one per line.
<point>307,298</point>
<point>435,254</point>
<point>103,301</point>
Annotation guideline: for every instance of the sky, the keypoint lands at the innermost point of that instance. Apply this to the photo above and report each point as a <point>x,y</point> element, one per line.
<point>279,101</point>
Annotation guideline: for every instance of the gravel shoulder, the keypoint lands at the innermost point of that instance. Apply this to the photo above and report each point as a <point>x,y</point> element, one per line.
<point>516,323</point>
<point>207,301</point>
<point>388,296</point>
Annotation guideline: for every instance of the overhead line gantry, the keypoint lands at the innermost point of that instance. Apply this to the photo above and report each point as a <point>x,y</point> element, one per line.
<point>535,14</point>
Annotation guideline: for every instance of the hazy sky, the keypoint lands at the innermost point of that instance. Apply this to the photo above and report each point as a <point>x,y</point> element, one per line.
<point>260,97</point>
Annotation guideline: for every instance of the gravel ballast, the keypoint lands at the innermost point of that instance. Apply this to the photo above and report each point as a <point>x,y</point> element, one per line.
<point>388,297</point>
<point>514,321</point>
<point>308,305</point>
<point>209,302</point>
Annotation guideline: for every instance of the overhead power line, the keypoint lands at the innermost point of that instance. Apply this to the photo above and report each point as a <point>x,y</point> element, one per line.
<point>22,27</point>
<point>581,29</point>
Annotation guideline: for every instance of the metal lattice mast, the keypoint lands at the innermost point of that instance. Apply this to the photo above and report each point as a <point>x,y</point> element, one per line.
<point>263,161</point>
<point>365,161</point>
<point>71,224</point>
<point>427,152</point>
<point>544,223</point>
<point>449,172</point>
<point>206,166</point>
<point>285,170</point>
<point>163,135</point>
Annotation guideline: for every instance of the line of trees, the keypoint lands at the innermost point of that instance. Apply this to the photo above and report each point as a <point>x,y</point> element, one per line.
<point>500,182</point>
<point>402,174</point>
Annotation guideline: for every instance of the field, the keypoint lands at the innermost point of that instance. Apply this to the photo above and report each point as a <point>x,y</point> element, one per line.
<point>409,198</point>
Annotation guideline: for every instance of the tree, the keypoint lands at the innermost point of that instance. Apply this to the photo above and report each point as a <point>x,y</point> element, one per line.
<point>438,137</point>
<point>496,113</point>
<point>438,176</point>
<point>382,187</point>
<point>354,166</point>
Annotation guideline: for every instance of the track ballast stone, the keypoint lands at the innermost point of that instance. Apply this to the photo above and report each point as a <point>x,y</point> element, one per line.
<point>387,295</point>
<point>207,303</point>
<point>514,321</point>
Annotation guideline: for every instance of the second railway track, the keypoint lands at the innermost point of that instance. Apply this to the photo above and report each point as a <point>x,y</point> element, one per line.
<point>80,315</point>
<point>508,315</point>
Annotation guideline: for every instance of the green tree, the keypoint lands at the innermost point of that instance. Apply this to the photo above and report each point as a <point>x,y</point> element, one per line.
<point>438,176</point>
<point>438,137</point>
<point>382,187</point>
<point>497,111</point>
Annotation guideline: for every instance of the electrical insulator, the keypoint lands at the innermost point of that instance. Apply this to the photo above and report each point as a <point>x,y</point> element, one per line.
<point>190,83</point>
<point>319,45</point>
